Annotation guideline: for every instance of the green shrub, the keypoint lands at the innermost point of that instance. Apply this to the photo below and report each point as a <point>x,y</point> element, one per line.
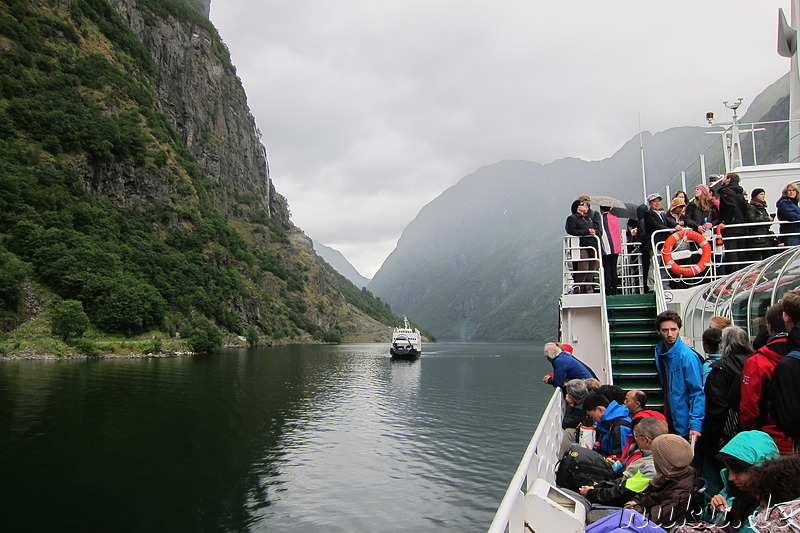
<point>86,347</point>
<point>12,272</point>
<point>202,335</point>
<point>152,346</point>
<point>251,336</point>
<point>67,319</point>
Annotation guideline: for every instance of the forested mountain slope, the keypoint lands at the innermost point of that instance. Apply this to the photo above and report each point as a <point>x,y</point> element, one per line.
<point>133,181</point>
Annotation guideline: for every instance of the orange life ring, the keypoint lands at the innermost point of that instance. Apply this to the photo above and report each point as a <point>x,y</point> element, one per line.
<point>686,270</point>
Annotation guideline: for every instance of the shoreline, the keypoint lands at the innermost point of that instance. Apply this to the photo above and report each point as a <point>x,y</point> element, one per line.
<point>160,355</point>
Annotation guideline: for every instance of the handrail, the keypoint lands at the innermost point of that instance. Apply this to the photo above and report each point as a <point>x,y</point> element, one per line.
<point>718,266</point>
<point>510,515</point>
<point>601,284</point>
<point>568,286</point>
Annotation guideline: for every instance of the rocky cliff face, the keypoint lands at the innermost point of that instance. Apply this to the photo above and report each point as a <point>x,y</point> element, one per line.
<point>205,103</point>
<point>136,103</point>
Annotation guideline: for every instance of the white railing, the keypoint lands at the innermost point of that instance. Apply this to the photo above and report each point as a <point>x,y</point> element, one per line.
<point>571,258</point>
<point>539,461</point>
<point>629,268</point>
<point>632,278</point>
<point>719,265</point>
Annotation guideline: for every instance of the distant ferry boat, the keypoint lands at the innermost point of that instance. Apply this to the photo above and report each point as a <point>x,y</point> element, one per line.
<point>616,335</point>
<point>406,342</point>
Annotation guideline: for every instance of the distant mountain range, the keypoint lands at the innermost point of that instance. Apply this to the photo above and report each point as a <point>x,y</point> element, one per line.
<point>335,258</point>
<point>483,260</point>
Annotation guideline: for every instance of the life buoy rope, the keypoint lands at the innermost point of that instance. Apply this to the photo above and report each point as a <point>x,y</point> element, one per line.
<point>686,270</point>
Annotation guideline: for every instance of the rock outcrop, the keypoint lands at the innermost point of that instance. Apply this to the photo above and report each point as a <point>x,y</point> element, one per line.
<point>205,103</point>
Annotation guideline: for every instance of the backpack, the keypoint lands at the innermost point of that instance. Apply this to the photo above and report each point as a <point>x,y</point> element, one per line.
<point>580,467</point>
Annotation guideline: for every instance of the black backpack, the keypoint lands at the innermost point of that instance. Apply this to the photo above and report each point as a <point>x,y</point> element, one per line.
<point>581,466</point>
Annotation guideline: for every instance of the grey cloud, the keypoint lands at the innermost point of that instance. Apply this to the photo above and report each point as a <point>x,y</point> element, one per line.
<point>356,99</point>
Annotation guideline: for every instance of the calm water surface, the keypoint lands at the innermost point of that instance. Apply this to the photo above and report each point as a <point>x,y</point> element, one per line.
<point>297,438</point>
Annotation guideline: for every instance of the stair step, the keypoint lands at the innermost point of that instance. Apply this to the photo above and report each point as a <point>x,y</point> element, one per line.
<point>631,300</point>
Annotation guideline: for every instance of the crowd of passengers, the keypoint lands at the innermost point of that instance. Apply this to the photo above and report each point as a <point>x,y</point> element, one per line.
<point>722,207</point>
<point>720,454</point>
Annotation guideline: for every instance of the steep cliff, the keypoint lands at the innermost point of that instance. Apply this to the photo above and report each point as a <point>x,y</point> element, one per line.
<point>133,180</point>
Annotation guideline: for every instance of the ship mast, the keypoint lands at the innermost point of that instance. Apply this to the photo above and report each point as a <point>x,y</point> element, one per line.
<point>787,47</point>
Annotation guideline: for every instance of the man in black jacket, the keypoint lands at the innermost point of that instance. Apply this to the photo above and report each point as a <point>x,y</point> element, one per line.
<point>784,393</point>
<point>732,210</point>
<point>655,219</point>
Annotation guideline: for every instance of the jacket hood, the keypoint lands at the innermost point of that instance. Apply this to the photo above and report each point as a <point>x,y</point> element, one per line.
<point>752,447</point>
<point>775,348</point>
<point>615,410</point>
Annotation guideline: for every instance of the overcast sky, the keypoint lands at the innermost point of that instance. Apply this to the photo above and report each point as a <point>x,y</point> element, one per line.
<point>369,109</point>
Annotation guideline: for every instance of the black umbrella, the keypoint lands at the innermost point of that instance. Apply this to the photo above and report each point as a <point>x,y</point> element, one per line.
<point>628,211</point>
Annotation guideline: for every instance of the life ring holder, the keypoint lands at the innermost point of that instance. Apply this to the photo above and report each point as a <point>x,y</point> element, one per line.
<point>686,270</point>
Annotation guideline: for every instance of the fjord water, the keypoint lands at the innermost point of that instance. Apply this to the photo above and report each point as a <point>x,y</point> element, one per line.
<point>296,438</point>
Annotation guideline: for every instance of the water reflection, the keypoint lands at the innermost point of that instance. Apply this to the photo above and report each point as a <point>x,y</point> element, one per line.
<point>290,438</point>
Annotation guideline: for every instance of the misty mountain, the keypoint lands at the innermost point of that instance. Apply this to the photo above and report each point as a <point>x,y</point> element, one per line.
<point>483,260</point>
<point>339,262</point>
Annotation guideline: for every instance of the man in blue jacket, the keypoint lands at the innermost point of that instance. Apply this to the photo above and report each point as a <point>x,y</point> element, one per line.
<point>681,374</point>
<point>565,367</point>
<point>612,420</point>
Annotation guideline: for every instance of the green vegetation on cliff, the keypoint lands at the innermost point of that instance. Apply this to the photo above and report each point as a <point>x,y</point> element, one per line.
<point>78,112</point>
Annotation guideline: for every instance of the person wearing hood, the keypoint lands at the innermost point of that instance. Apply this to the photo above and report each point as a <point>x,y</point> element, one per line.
<point>732,207</point>
<point>760,236</point>
<point>746,450</point>
<point>613,421</point>
<point>581,224</point>
<point>789,211</point>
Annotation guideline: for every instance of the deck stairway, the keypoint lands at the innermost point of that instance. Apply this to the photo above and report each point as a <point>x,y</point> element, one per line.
<point>633,335</point>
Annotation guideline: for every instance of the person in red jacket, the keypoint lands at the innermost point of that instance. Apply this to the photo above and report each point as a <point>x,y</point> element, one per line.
<point>756,376</point>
